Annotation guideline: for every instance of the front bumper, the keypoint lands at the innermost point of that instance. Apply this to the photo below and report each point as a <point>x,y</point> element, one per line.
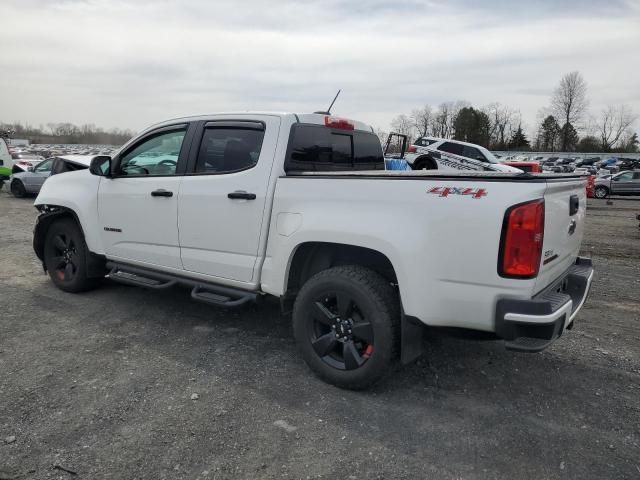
<point>532,325</point>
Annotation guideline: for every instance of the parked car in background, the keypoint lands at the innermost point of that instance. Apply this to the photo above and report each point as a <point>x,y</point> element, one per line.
<point>31,181</point>
<point>22,161</point>
<point>430,153</point>
<point>623,183</point>
<point>587,161</point>
<point>629,164</point>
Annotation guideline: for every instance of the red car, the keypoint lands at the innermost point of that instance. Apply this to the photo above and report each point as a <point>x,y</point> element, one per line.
<point>529,167</point>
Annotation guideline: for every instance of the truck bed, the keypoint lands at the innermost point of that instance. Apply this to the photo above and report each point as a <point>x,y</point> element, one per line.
<point>435,175</point>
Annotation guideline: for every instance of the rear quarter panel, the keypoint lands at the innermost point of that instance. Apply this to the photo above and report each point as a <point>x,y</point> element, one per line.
<point>444,249</point>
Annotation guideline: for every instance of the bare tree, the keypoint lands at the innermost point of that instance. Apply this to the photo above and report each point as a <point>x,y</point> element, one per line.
<point>440,126</point>
<point>444,118</point>
<point>614,123</point>
<point>569,101</point>
<point>402,124</point>
<point>382,135</point>
<point>504,121</point>
<point>422,119</point>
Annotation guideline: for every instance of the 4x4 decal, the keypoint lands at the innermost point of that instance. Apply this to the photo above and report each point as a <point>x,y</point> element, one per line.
<point>446,191</point>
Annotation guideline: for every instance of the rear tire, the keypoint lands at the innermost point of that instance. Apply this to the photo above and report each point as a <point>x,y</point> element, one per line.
<point>346,322</point>
<point>65,257</point>
<point>601,192</point>
<point>17,189</point>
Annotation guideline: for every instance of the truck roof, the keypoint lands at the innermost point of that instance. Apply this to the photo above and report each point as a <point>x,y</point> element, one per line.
<point>313,118</point>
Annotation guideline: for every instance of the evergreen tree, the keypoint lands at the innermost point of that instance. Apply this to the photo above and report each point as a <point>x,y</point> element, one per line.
<point>472,126</point>
<point>519,140</point>
<point>630,145</point>
<point>549,135</point>
<point>569,137</point>
<point>588,144</point>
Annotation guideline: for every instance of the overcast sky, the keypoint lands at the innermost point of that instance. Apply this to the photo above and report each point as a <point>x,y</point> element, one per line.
<point>130,63</point>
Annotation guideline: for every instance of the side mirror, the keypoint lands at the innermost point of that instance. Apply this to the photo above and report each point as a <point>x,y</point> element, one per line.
<point>101,166</point>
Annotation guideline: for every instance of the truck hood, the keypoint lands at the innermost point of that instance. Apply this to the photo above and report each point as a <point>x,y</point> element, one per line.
<point>69,189</point>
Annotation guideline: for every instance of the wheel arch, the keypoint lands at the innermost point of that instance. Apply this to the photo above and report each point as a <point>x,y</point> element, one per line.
<point>310,258</point>
<point>52,213</point>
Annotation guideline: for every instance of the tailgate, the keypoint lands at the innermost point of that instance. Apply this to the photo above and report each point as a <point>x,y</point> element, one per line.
<point>565,211</point>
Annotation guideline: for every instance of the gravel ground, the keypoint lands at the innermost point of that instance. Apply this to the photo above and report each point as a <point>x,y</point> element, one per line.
<point>125,383</point>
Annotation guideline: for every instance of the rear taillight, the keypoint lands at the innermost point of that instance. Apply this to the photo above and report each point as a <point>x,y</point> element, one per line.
<point>412,149</point>
<point>339,123</point>
<point>521,242</point>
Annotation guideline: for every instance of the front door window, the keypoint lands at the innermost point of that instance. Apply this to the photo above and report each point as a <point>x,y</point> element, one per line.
<point>157,155</point>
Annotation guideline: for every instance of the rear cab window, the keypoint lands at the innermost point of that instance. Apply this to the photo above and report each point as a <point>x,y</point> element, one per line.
<point>318,148</point>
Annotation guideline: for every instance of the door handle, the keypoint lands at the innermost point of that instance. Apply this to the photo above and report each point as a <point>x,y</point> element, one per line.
<point>161,193</point>
<point>241,194</point>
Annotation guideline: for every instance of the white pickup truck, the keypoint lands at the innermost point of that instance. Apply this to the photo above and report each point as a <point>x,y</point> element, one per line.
<point>240,206</point>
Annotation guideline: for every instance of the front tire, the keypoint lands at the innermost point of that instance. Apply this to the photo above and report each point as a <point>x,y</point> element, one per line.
<point>601,192</point>
<point>424,163</point>
<point>346,324</point>
<point>17,189</point>
<point>65,257</point>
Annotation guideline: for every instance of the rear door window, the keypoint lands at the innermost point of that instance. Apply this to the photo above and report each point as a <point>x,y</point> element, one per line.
<point>227,149</point>
<point>450,147</point>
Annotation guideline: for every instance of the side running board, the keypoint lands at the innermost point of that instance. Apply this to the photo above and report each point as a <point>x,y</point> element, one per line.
<point>221,296</point>
<point>214,294</point>
<point>130,278</point>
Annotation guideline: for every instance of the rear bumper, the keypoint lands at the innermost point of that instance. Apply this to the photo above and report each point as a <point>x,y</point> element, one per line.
<point>532,325</point>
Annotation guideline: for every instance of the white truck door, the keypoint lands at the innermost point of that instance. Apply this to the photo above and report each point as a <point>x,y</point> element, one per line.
<point>138,205</point>
<point>223,196</point>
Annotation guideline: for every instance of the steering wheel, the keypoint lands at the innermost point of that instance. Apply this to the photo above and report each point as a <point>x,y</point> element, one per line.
<point>170,163</point>
<point>127,167</point>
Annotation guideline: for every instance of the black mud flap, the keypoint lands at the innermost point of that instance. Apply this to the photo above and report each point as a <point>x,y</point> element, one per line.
<point>412,339</point>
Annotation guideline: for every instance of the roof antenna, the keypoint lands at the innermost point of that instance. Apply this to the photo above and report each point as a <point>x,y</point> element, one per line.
<point>328,112</point>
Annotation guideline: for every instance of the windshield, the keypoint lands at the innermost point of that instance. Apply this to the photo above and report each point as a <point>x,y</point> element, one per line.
<point>491,158</point>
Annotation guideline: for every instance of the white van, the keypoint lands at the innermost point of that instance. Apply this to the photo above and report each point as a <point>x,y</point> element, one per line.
<point>6,161</point>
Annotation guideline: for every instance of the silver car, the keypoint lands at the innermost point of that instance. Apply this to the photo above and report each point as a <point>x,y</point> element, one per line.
<point>623,183</point>
<point>30,182</point>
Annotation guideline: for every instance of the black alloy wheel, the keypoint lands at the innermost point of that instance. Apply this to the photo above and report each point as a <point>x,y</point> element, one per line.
<point>65,257</point>
<point>346,322</point>
<point>341,336</point>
